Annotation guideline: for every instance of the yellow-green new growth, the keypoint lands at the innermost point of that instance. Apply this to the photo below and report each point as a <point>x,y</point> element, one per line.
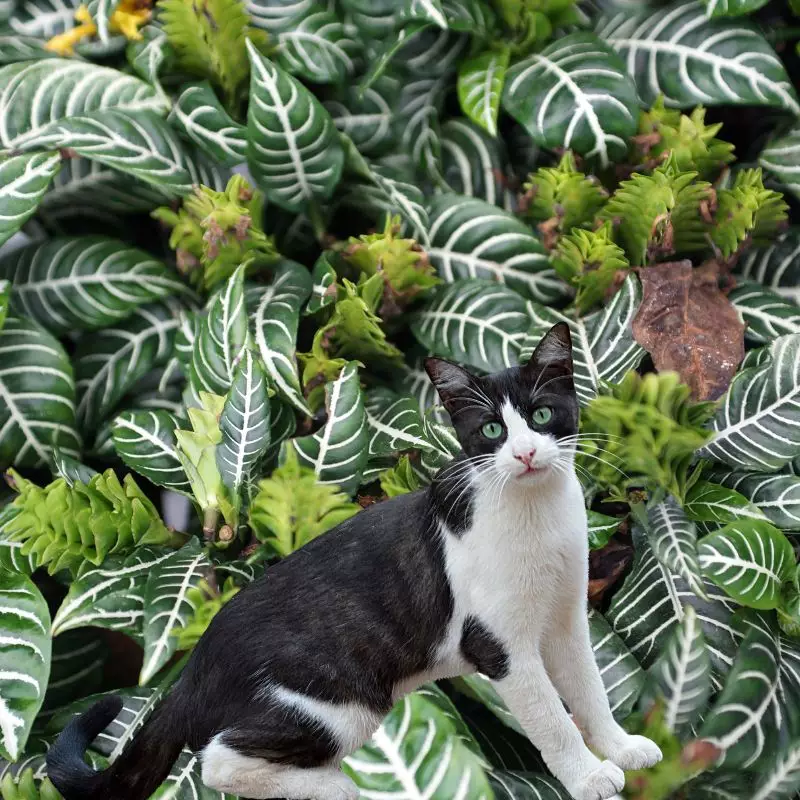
<point>644,432</point>
<point>26,787</point>
<point>64,526</point>
<point>214,232</point>
<point>206,602</point>
<point>292,507</point>
<point>400,479</point>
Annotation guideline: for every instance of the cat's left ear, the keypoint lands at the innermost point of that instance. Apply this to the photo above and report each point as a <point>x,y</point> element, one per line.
<point>554,350</point>
<point>450,380</point>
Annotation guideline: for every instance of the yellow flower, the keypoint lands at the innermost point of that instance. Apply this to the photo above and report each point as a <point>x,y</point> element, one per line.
<point>64,43</point>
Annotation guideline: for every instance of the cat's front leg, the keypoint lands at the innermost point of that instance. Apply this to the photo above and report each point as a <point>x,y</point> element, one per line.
<point>570,663</point>
<point>534,701</point>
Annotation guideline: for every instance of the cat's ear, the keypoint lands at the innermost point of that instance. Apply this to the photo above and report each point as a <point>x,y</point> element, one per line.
<point>554,350</point>
<point>450,380</point>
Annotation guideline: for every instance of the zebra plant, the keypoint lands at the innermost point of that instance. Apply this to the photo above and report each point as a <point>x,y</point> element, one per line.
<point>230,238</point>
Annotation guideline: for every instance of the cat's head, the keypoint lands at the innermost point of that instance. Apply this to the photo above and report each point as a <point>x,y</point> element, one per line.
<point>516,422</point>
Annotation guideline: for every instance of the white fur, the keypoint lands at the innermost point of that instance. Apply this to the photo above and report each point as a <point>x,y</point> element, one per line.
<point>522,570</point>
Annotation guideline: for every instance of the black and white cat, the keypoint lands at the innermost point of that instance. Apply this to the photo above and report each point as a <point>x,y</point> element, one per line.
<point>486,570</point>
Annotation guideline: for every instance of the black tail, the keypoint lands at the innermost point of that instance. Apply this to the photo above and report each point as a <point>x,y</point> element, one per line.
<point>139,770</point>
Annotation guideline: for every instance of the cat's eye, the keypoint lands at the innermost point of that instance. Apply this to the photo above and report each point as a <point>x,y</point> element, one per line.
<point>542,415</point>
<point>492,430</point>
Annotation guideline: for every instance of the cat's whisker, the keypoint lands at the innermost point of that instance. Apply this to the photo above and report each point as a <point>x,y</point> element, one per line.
<point>538,389</point>
<point>606,462</point>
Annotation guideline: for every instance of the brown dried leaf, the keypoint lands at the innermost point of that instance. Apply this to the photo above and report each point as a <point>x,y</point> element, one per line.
<point>606,567</point>
<point>689,326</point>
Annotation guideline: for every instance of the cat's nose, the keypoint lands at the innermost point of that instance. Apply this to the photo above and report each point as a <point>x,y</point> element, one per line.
<point>526,458</point>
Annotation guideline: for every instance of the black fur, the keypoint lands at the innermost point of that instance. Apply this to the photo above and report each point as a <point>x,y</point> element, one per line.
<point>483,650</point>
<point>344,619</point>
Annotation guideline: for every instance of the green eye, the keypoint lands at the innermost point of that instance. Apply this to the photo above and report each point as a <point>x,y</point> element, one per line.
<point>542,415</point>
<point>492,430</point>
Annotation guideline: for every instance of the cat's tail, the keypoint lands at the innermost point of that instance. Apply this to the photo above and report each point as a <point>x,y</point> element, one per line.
<point>139,770</point>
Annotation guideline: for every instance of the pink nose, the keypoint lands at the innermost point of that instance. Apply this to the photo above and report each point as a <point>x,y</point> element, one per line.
<point>526,458</point>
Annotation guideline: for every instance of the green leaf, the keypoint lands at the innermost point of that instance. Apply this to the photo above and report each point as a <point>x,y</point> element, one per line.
<point>417,749</point>
<point>676,52</point>
<point>681,674</point>
<point>603,346</point>
<point>220,340</point>
<point>70,469</point>
<point>577,95</point>
<point>5,299</point>
<point>294,151</point>
<point>37,396</point>
<point>85,283</point>
<point>758,425</point>
<point>710,502</point>
<point>366,117</point>
<point>291,507</point>
<point>750,560</point>
<point>11,557</point>
<point>776,267</point>
<point>140,144</point>
<point>673,538</point>
<point>471,238</point>
<point>475,322</point>
<point>167,604</point>
<point>244,424</point>
<point>395,424</point>
<point>23,181</point>
<point>323,288</point>
<point>766,314</point>
<point>623,677</point>
<point>77,664</point>
<point>200,116</point>
<point>145,441</point>
<point>24,659</point>
<point>337,452</point>
<point>776,496</point>
<point>109,363</point>
<point>38,94</point>
<point>423,10</point>
<point>732,8</point>
<point>277,15</point>
<point>480,86</point>
<point>15,48</point>
<point>525,786</point>
<point>318,48</point>
<point>110,596</point>
<point>601,529</point>
<point>780,776</point>
<point>275,314</point>
<point>445,448</point>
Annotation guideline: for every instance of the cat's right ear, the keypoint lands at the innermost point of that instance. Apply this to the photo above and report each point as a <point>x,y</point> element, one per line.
<point>450,380</point>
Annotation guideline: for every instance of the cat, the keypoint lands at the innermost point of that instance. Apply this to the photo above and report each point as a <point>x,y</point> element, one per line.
<point>485,570</point>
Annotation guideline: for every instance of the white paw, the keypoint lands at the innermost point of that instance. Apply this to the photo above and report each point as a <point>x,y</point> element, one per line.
<point>636,752</point>
<point>602,783</point>
<point>343,789</point>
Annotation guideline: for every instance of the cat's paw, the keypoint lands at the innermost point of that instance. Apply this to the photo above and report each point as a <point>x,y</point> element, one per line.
<point>601,784</point>
<point>636,752</point>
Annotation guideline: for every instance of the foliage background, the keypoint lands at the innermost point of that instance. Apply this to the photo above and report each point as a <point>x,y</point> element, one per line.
<point>428,176</point>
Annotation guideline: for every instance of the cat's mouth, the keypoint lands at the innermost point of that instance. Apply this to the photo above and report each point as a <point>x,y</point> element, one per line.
<point>530,471</point>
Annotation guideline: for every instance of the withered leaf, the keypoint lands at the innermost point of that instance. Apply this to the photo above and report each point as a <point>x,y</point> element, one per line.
<point>689,326</point>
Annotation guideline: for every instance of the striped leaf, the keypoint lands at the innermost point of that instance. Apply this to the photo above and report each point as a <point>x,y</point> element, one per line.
<point>780,776</point>
<point>43,18</point>
<point>526,786</point>
<point>423,10</point>
<point>140,144</point>
<point>601,529</point>
<point>766,314</point>
<point>781,157</point>
<point>471,238</point>
<point>678,53</point>
<point>366,117</point>
<point>34,95</point>
<point>445,448</point>
<point>23,181</point>
<point>395,196</point>
<point>293,151</point>
<point>220,339</point>
<point>76,669</point>
<point>373,18</point>
<point>681,675</point>
<point>577,95</point>
<point>338,452</point>
<point>748,559</point>
<point>244,423</point>
<point>758,425</point>
<point>414,380</point>
<point>37,396</point>
<point>109,363</point>
<point>622,674</point>
<point>776,267</point>
<point>70,469</point>
<point>199,115</point>
<point>5,300</point>
<point>395,424</point>
<point>481,688</point>
<point>15,48</point>
<point>475,322</point>
<point>652,600</point>
<point>720,785</point>
<point>168,604</point>
<point>85,283</point>
<point>145,441</point>
<point>603,346</point>
<point>673,537</point>
<point>111,596</point>
<point>278,15</point>
<point>11,557</point>
<point>275,315</point>
<point>148,54</point>
<point>710,502</point>
<point>323,287</point>
<point>480,87</point>
<point>777,496</point>
<point>417,752</point>
<point>732,8</point>
<point>318,48</point>
<point>24,659</point>
<point>474,164</point>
